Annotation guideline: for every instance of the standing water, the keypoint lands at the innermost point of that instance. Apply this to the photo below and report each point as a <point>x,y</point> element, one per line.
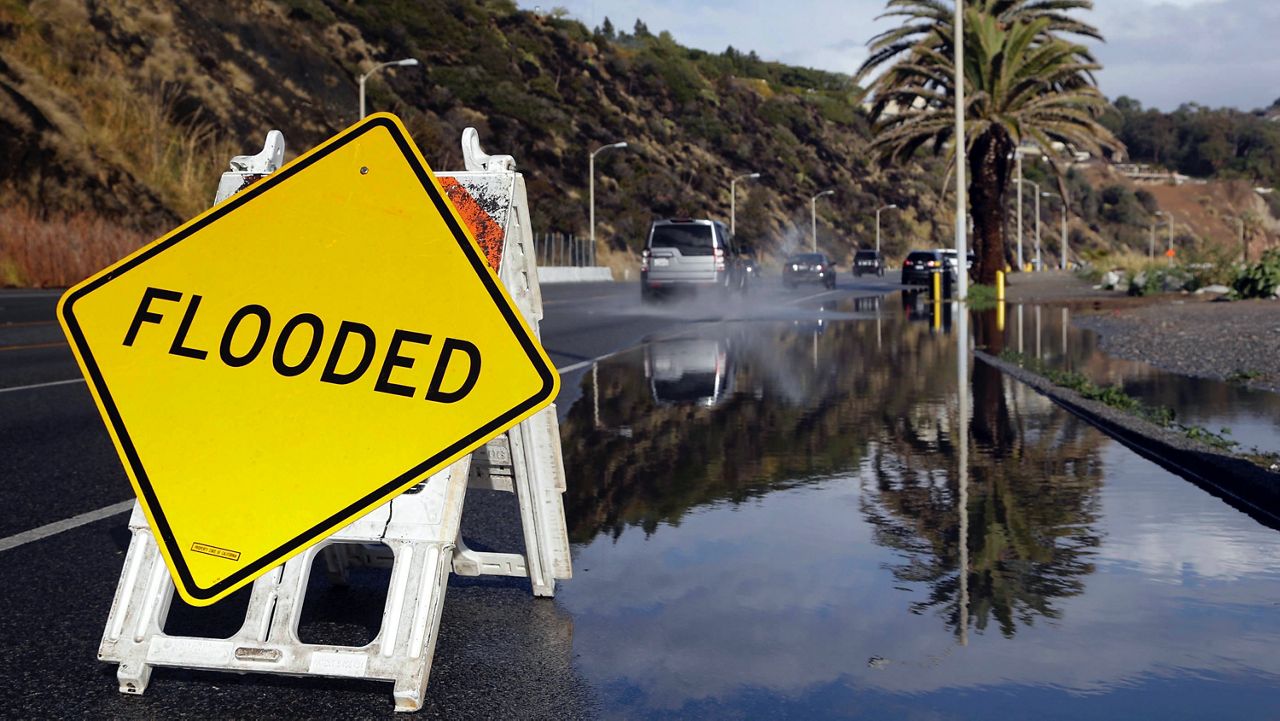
<point>770,520</point>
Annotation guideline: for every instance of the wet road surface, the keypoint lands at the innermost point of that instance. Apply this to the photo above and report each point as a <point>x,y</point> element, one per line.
<point>768,520</point>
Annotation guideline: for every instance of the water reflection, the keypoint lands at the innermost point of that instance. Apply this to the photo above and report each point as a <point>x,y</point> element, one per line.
<point>736,412</point>
<point>859,525</point>
<point>1047,333</point>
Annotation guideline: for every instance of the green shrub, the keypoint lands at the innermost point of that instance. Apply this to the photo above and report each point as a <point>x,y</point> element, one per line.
<point>1259,280</point>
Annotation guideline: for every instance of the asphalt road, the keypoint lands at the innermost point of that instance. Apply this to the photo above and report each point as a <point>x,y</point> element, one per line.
<point>501,653</point>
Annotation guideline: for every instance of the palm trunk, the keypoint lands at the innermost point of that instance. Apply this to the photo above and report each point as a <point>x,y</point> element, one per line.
<point>989,169</point>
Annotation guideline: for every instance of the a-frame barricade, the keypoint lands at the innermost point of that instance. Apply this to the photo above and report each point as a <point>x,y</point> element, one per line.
<point>421,528</point>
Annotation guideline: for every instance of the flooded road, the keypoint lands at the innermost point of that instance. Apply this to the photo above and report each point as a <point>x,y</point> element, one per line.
<point>771,520</point>
<point>1248,416</point>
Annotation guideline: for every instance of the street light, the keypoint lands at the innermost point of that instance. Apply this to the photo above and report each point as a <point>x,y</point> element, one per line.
<point>813,216</point>
<point>591,190</point>
<point>1036,185</point>
<point>891,206</point>
<point>407,62</point>
<point>1063,262</point>
<point>1018,152</point>
<point>733,201</point>
<point>1170,223</point>
<point>1151,243</point>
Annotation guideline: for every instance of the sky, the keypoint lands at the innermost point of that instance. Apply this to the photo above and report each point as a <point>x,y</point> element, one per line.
<point>1162,52</point>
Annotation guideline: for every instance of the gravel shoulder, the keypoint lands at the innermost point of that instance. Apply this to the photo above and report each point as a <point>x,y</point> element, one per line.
<point>1237,341</point>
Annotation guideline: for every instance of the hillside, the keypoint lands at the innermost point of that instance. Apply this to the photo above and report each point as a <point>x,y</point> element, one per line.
<point>124,113</point>
<point>116,119</point>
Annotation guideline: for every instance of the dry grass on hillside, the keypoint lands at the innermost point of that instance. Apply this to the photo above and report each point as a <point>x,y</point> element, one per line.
<point>109,109</point>
<point>56,252</point>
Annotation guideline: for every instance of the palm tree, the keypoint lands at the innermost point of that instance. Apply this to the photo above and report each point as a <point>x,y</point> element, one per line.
<point>1023,82</point>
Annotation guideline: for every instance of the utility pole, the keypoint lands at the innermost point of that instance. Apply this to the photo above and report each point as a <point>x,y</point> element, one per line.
<point>962,240</point>
<point>1017,160</point>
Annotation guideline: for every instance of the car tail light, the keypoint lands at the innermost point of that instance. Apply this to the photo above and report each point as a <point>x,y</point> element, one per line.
<point>720,259</point>
<point>644,260</point>
<point>932,264</point>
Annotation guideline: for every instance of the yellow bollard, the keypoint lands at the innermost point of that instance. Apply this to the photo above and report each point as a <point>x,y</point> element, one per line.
<point>1000,286</point>
<point>937,313</point>
<point>937,287</point>
<point>1000,316</point>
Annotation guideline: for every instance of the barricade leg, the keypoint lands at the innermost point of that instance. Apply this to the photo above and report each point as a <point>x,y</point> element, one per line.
<point>419,528</point>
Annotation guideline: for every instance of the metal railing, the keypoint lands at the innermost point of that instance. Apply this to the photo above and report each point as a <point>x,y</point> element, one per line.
<point>564,250</point>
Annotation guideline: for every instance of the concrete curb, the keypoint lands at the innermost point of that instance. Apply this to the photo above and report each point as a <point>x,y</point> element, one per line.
<point>561,274</point>
<point>1235,479</point>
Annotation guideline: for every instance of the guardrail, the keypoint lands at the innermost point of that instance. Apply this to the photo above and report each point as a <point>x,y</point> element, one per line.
<point>564,250</point>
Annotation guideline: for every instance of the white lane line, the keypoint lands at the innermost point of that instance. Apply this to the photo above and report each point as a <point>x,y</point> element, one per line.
<point>53,529</point>
<point>815,295</point>
<point>587,363</point>
<point>41,385</point>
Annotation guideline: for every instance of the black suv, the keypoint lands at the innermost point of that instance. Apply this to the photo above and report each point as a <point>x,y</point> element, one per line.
<point>919,265</point>
<point>809,268</point>
<point>868,262</point>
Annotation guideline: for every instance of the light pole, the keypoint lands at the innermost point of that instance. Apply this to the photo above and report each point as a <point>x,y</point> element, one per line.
<point>962,202</point>
<point>1169,220</point>
<point>1018,152</point>
<point>591,189</point>
<point>813,216</point>
<point>891,206</point>
<point>733,201</point>
<point>407,62</point>
<point>1036,185</point>
<point>1062,264</point>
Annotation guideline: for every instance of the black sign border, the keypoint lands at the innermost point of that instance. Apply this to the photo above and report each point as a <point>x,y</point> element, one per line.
<point>384,492</point>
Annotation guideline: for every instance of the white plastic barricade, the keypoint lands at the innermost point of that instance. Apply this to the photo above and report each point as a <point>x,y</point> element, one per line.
<point>526,460</point>
<point>421,527</point>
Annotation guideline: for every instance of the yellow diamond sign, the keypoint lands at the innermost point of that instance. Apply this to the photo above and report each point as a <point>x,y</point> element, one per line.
<point>299,354</point>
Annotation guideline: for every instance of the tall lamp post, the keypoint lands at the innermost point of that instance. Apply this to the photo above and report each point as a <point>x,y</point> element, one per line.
<point>407,62</point>
<point>1018,152</point>
<point>1036,185</point>
<point>891,206</point>
<point>733,200</point>
<point>1062,264</point>
<point>813,216</point>
<point>962,202</point>
<point>1151,243</point>
<point>1169,220</point>
<point>591,189</point>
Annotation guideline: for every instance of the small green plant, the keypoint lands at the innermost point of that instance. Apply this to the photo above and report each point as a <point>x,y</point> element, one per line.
<point>1243,376</point>
<point>1259,280</point>
<point>981,297</point>
<point>1208,437</point>
<point>1115,397</point>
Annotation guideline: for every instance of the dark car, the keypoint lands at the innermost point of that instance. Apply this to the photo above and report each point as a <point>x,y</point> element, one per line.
<point>920,265</point>
<point>809,268</point>
<point>868,262</point>
<point>684,253</point>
